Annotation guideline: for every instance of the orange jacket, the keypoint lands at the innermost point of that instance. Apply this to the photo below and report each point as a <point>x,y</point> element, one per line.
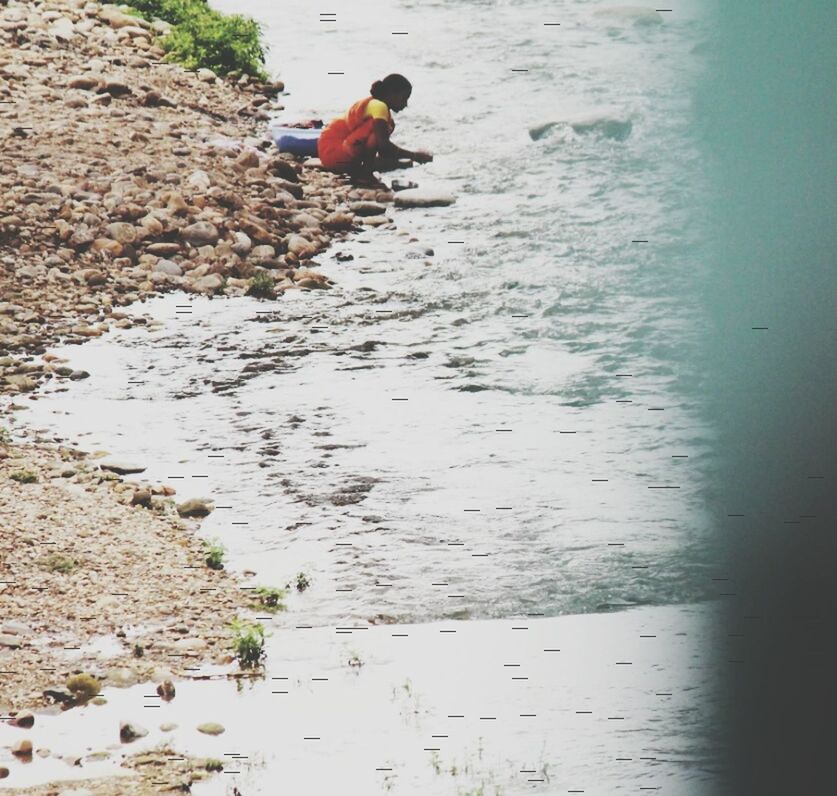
<point>345,139</point>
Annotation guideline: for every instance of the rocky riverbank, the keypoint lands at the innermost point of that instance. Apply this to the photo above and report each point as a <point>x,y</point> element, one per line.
<point>122,177</point>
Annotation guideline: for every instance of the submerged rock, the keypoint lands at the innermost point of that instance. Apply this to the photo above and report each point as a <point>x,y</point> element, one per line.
<point>123,468</point>
<point>22,748</point>
<point>418,197</point>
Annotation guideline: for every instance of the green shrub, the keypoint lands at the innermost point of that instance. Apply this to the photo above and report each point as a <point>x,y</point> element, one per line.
<point>24,476</point>
<point>248,643</point>
<point>302,581</point>
<point>261,285</point>
<point>220,43</point>
<point>203,37</point>
<point>83,686</point>
<point>214,554</point>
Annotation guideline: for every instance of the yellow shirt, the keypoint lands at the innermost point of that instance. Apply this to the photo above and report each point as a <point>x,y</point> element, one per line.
<point>375,108</point>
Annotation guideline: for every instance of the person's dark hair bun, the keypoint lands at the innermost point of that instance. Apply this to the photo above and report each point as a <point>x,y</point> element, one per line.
<point>391,84</point>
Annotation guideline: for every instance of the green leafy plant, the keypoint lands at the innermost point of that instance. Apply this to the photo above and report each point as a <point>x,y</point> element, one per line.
<point>214,765</point>
<point>302,581</point>
<point>214,554</point>
<point>24,476</point>
<point>248,643</point>
<point>270,598</point>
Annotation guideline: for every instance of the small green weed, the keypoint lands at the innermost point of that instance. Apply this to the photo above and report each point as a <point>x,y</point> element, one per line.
<point>214,765</point>
<point>24,476</point>
<point>214,557</point>
<point>270,598</point>
<point>56,562</point>
<point>302,582</point>
<point>5,437</point>
<point>248,643</point>
<point>261,286</point>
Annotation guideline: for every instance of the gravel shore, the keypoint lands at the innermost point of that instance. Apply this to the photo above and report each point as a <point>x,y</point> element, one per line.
<point>122,177</point>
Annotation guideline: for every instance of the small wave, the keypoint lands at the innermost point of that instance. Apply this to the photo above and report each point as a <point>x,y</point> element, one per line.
<point>604,125</point>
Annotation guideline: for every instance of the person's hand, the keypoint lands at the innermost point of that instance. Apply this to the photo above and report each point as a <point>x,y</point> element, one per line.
<point>422,157</point>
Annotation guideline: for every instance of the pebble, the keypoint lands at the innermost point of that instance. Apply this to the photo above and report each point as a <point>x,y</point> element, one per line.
<point>211,728</point>
<point>24,719</point>
<point>168,726</point>
<point>128,731</point>
<point>141,497</point>
<point>167,267</point>
<point>200,233</point>
<point>166,690</point>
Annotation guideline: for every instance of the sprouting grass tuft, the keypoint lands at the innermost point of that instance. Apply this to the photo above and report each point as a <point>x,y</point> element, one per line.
<point>57,562</point>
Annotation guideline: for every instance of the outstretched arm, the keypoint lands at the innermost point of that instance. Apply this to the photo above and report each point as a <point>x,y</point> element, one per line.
<point>389,150</point>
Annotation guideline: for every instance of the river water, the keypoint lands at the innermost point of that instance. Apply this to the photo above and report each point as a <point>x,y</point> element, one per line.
<point>506,430</point>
